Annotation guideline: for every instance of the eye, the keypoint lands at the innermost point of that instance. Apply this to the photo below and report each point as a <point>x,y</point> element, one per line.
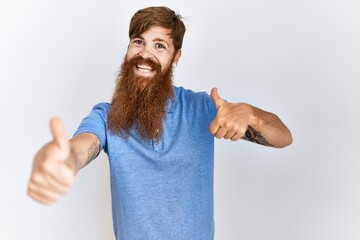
<point>160,45</point>
<point>138,42</point>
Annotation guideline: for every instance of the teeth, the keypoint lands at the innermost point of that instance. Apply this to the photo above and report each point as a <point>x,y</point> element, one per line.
<point>144,67</point>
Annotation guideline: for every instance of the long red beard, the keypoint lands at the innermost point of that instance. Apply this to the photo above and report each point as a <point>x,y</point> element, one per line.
<point>140,103</point>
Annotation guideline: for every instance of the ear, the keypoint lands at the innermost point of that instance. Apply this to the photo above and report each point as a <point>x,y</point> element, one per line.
<point>177,56</point>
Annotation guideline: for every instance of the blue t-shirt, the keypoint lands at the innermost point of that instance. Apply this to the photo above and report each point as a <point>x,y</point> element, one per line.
<point>162,190</point>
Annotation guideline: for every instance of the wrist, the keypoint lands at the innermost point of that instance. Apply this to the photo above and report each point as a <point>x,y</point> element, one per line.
<point>73,163</point>
<point>254,119</point>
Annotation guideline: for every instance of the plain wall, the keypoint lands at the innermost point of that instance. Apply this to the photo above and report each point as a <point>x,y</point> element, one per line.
<point>298,59</point>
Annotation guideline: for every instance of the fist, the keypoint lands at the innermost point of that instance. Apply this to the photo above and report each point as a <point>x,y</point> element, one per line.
<point>52,174</point>
<point>231,120</point>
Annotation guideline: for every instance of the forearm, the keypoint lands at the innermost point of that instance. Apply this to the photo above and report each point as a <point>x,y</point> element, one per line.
<point>267,129</point>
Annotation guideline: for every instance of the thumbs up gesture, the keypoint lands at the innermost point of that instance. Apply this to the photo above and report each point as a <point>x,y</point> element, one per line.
<point>52,173</point>
<point>231,120</point>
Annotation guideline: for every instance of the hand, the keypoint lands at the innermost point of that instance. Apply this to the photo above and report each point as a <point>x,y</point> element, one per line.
<point>231,120</point>
<point>52,173</point>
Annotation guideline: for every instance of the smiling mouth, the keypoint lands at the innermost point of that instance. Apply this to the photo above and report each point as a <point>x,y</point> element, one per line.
<point>144,68</point>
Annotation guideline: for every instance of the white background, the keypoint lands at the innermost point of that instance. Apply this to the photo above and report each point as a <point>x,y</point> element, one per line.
<point>299,59</point>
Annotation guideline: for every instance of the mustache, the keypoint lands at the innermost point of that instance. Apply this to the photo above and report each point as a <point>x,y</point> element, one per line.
<point>139,60</point>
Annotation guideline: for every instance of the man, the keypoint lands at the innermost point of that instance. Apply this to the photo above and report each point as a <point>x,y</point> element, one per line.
<point>159,140</point>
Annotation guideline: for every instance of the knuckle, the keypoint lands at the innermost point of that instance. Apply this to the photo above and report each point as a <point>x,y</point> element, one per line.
<point>67,181</point>
<point>63,190</point>
<point>67,173</point>
<point>226,125</point>
<point>55,197</point>
<point>47,166</point>
<point>36,178</point>
<point>66,190</point>
<point>42,167</point>
<point>30,190</point>
<point>242,131</point>
<point>219,119</point>
<point>45,201</point>
<point>67,184</point>
<point>236,137</point>
<point>50,196</point>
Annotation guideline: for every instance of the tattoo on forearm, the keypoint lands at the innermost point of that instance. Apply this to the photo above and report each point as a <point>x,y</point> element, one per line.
<point>93,150</point>
<point>254,136</point>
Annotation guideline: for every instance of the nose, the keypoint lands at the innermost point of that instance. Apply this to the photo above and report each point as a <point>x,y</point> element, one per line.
<point>146,52</point>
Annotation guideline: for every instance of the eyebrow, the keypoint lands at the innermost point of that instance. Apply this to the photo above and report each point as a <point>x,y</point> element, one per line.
<point>162,41</point>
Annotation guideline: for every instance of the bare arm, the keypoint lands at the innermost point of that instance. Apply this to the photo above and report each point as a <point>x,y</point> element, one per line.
<point>57,162</point>
<point>83,149</point>
<point>242,121</point>
<point>267,129</point>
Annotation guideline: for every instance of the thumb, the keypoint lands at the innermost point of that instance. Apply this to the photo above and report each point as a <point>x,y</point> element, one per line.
<point>58,133</point>
<point>216,98</point>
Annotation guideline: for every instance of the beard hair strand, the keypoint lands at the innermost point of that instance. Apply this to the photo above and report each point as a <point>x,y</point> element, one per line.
<point>140,103</point>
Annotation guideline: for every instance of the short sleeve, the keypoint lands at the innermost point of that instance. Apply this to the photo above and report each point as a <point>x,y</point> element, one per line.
<point>96,123</point>
<point>211,106</point>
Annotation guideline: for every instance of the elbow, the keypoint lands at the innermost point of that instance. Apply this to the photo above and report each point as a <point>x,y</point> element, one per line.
<point>287,140</point>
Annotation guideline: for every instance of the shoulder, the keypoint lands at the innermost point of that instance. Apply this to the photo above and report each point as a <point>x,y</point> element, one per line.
<point>101,109</point>
<point>98,113</point>
<point>182,92</point>
<point>103,106</point>
<point>199,99</point>
<point>95,122</point>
